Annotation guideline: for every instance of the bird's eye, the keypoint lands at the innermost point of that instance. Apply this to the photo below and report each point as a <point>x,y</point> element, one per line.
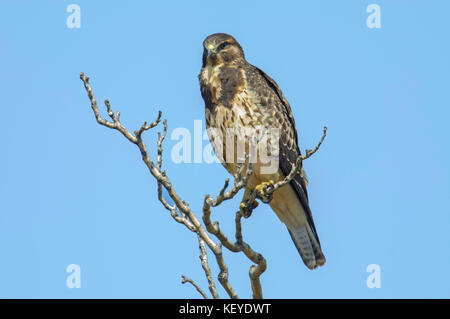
<point>223,45</point>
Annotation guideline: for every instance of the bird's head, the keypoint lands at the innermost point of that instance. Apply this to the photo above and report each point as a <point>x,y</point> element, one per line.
<point>221,48</point>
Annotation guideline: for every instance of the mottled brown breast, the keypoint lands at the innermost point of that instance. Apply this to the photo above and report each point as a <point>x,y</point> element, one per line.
<point>220,85</point>
<point>231,104</point>
<point>210,85</point>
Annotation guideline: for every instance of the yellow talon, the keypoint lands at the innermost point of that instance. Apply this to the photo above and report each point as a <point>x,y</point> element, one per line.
<point>261,190</point>
<point>261,187</point>
<point>245,207</point>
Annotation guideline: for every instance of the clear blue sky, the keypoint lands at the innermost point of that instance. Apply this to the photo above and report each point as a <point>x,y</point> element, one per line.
<point>72,192</point>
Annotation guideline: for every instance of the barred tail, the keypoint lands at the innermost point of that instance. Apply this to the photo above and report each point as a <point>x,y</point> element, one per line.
<point>307,246</point>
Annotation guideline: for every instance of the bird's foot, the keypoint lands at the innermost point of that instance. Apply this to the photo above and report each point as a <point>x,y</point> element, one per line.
<point>262,191</point>
<point>246,208</point>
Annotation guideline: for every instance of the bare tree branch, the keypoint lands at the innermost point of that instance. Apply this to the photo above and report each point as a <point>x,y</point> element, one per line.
<point>182,213</point>
<point>206,269</point>
<point>255,270</point>
<point>187,217</point>
<point>186,279</point>
<point>298,164</point>
<point>146,127</point>
<point>265,191</point>
<point>115,124</point>
<point>161,138</point>
<point>239,246</point>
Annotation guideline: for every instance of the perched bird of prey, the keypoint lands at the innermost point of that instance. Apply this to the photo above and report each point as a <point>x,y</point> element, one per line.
<point>239,96</point>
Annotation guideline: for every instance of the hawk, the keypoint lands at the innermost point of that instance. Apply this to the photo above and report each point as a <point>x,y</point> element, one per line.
<point>239,96</point>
